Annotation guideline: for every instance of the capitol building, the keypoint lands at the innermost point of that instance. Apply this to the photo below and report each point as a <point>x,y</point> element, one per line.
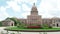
<point>34,18</point>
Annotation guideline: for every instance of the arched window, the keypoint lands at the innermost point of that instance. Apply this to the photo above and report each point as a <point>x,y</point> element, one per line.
<point>57,25</point>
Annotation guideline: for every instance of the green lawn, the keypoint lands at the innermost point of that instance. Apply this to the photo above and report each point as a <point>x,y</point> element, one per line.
<point>43,29</point>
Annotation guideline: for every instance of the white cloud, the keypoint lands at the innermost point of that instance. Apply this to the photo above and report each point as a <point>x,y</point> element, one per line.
<point>3,13</point>
<point>45,8</point>
<point>46,5</point>
<point>31,1</point>
<point>49,8</point>
<point>24,15</point>
<point>25,1</point>
<point>18,1</point>
<point>44,13</point>
<point>54,12</point>
<point>14,6</point>
<point>58,4</point>
<point>25,8</point>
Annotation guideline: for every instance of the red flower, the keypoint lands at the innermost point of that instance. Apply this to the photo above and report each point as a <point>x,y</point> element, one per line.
<point>33,27</point>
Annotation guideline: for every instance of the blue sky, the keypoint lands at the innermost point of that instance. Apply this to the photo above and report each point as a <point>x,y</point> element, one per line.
<point>22,8</point>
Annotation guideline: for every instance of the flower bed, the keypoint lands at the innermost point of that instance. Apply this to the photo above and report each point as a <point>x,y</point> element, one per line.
<point>34,27</point>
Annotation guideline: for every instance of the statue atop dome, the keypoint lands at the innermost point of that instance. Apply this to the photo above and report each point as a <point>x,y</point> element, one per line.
<point>34,4</point>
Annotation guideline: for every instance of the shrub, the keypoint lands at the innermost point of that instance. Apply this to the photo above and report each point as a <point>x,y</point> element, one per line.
<point>18,25</point>
<point>45,26</point>
<point>50,26</point>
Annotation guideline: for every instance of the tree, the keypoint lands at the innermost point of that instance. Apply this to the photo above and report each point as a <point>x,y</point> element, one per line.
<point>0,23</point>
<point>15,20</point>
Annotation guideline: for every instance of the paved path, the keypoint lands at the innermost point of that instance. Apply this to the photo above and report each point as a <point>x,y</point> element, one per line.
<point>1,29</point>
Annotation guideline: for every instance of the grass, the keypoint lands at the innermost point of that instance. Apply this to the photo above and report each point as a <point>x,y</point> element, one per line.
<point>21,28</point>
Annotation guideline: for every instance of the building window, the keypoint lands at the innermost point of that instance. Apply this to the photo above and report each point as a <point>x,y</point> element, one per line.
<point>57,25</point>
<point>53,24</point>
<point>59,20</point>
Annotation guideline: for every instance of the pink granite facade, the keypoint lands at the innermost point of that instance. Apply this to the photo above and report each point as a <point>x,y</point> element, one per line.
<point>33,18</point>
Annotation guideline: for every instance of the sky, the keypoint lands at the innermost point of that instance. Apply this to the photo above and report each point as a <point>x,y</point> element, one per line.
<point>22,8</point>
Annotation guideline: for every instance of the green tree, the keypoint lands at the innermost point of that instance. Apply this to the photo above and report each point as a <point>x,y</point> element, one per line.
<point>18,23</point>
<point>0,23</point>
<point>15,20</point>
